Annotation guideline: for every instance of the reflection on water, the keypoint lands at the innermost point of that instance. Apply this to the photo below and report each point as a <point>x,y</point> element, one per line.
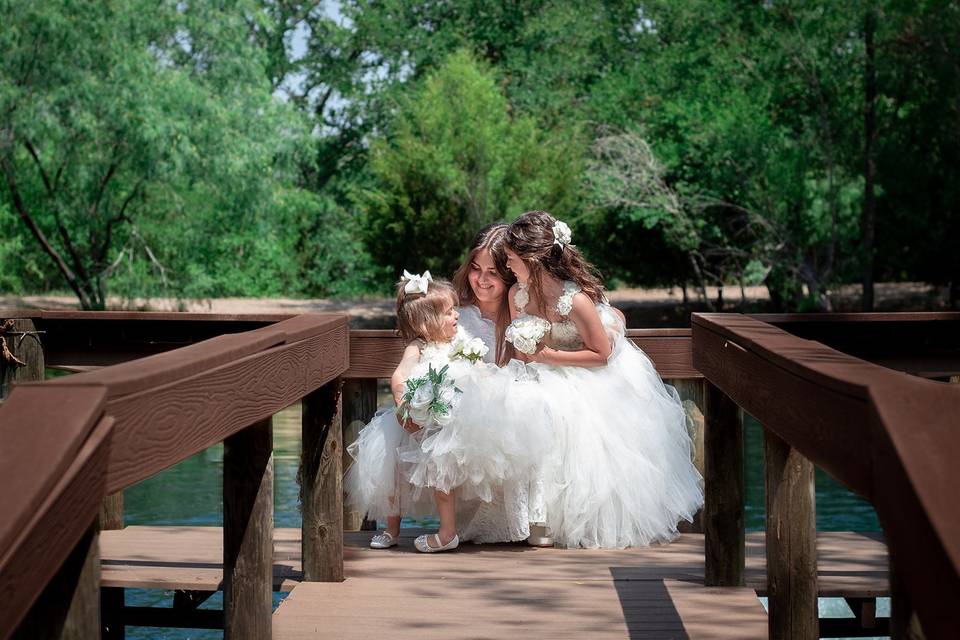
<point>190,493</point>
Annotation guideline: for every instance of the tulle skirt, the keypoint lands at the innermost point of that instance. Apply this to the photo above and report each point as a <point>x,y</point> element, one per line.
<point>374,483</point>
<point>620,471</point>
<point>491,443</point>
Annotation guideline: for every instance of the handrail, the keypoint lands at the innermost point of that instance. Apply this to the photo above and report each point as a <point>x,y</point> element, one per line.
<point>98,432</point>
<point>889,436</point>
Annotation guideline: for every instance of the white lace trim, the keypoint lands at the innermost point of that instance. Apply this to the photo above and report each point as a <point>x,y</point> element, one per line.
<point>521,296</point>
<point>565,301</point>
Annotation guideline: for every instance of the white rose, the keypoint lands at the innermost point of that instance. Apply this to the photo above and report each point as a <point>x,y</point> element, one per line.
<point>422,397</point>
<point>561,233</point>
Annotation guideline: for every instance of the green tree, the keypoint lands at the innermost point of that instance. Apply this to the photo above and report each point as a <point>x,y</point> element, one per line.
<point>137,129</point>
<point>456,160</point>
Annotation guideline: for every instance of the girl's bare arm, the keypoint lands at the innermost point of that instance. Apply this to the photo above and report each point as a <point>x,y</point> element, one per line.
<point>596,345</point>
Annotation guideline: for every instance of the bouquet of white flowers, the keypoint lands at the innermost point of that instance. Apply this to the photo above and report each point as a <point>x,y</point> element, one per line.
<point>525,332</point>
<point>468,348</point>
<point>429,400</point>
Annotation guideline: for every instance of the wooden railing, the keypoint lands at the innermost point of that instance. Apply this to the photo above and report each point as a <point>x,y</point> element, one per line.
<point>200,379</point>
<point>69,442</point>
<point>891,437</point>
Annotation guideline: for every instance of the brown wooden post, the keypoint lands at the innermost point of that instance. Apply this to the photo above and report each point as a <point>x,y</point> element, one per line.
<point>248,532</point>
<point>723,510</point>
<point>691,392</point>
<point>23,342</point>
<point>111,512</point>
<point>322,485</point>
<point>904,623</point>
<point>791,542</point>
<point>69,606</point>
<point>359,400</point>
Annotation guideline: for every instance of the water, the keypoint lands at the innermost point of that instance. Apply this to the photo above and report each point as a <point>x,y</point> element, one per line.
<point>190,493</point>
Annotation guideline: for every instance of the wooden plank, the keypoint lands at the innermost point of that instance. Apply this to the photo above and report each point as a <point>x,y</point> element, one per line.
<point>723,509</point>
<point>56,520</point>
<point>321,478</point>
<point>791,541</point>
<point>376,353</point>
<point>69,606</point>
<point>359,403</point>
<point>248,532</point>
<point>850,564</point>
<point>160,427</point>
<point>458,607</point>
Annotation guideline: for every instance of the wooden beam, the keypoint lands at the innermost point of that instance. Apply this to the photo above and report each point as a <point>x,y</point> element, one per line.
<point>248,532</point>
<point>69,606</point>
<point>791,542</point>
<point>111,512</point>
<point>359,402</point>
<point>723,509</point>
<point>321,485</point>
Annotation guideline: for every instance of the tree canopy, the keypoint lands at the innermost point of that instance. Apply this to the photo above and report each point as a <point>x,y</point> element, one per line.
<point>290,147</point>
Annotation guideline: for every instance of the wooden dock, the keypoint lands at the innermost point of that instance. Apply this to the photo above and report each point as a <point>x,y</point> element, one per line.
<point>496,591</point>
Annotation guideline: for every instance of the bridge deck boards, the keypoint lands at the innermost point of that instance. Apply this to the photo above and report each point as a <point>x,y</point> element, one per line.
<point>167,557</point>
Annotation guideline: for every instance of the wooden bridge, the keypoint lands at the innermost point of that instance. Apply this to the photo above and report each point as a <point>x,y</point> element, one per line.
<point>861,396</point>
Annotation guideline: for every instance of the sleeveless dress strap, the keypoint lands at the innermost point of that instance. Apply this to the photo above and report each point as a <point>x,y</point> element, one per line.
<point>565,301</point>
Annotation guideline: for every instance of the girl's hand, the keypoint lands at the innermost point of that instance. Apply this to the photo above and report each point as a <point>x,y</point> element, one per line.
<point>410,426</point>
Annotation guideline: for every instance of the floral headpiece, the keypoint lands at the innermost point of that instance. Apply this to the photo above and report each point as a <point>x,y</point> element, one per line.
<point>561,234</point>
<point>416,283</point>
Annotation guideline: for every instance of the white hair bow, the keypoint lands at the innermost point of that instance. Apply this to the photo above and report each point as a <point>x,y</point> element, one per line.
<point>416,283</point>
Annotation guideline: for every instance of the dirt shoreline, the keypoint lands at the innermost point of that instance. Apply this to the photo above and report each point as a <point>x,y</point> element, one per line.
<point>643,307</point>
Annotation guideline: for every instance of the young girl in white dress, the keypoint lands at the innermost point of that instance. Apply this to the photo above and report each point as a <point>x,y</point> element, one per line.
<point>619,472</point>
<point>397,468</point>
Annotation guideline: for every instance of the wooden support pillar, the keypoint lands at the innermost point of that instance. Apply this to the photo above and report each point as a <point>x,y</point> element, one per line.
<point>321,479</point>
<point>23,342</point>
<point>69,606</point>
<point>111,512</point>
<point>691,392</point>
<point>791,537</point>
<point>723,509</point>
<point>359,400</point>
<point>248,533</point>
<point>904,623</point>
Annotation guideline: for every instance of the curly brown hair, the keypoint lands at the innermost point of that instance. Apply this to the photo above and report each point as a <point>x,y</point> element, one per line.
<point>531,237</point>
<point>491,238</point>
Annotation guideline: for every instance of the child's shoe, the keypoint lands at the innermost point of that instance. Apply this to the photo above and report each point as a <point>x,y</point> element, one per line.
<point>383,540</point>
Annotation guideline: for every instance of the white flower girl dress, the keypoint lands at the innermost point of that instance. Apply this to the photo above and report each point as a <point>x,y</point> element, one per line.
<point>619,471</point>
<point>475,452</point>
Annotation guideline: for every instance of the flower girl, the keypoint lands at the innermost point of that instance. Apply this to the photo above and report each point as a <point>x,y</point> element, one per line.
<point>619,472</point>
<point>439,440</point>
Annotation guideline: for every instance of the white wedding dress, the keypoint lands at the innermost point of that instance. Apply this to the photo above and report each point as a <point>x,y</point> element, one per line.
<point>619,470</point>
<point>506,517</point>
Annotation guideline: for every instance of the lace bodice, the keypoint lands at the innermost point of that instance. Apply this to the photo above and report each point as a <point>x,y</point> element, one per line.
<point>563,334</point>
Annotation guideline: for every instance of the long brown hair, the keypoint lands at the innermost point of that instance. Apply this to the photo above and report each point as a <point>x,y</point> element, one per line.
<point>531,237</point>
<point>491,238</point>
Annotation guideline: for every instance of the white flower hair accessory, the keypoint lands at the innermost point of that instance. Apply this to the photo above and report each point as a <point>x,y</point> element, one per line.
<point>561,234</point>
<point>416,283</point>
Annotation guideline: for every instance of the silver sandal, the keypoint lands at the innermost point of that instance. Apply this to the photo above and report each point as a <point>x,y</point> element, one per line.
<point>383,540</point>
<point>421,543</point>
